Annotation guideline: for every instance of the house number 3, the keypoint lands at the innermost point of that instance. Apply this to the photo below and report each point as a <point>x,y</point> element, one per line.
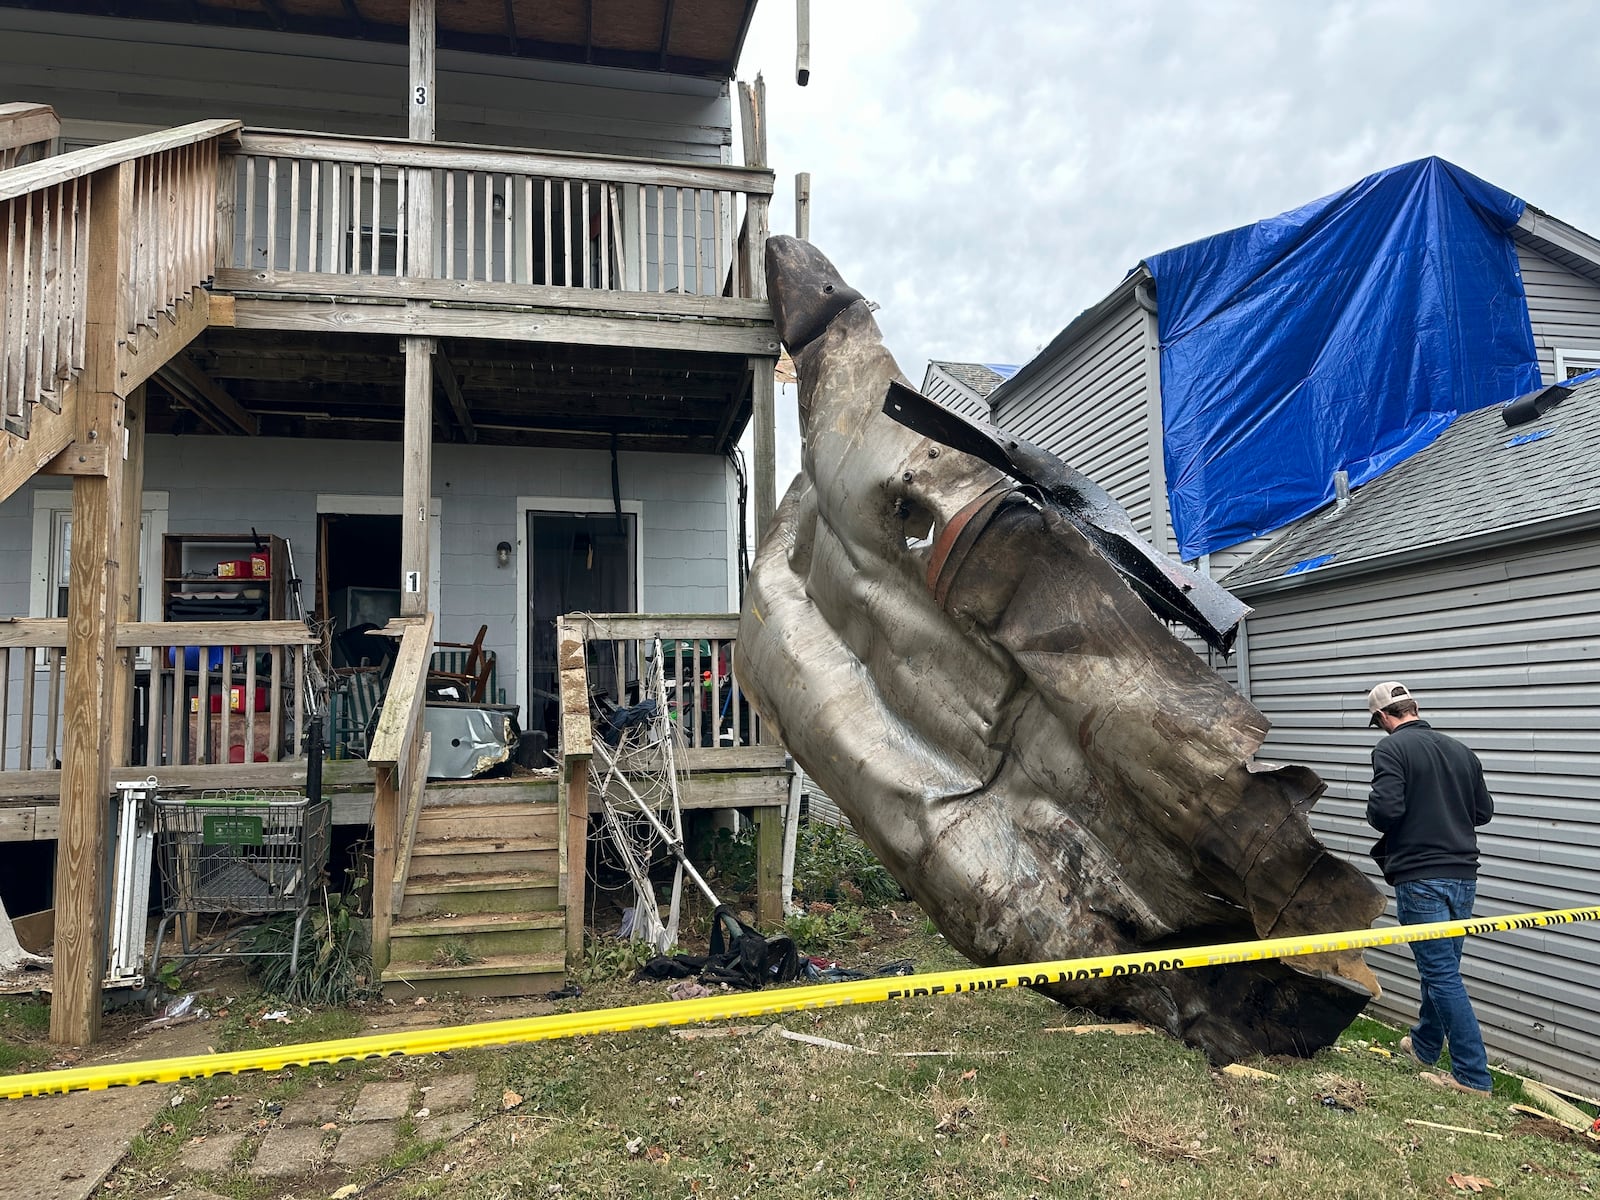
<point>422,95</point>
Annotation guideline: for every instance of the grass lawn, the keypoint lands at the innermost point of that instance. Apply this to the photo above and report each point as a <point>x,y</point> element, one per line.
<point>970,1095</point>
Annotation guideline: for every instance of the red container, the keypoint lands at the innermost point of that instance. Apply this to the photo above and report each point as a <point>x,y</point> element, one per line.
<point>234,568</point>
<point>260,564</point>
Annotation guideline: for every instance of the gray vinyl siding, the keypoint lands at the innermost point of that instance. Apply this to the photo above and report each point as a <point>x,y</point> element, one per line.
<point>157,75</point>
<point>1564,308</point>
<point>955,395</point>
<point>1504,653</point>
<point>1089,407</point>
<point>231,485</point>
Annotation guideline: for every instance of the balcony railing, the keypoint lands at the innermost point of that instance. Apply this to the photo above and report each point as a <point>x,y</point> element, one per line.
<point>204,694</point>
<point>342,207</point>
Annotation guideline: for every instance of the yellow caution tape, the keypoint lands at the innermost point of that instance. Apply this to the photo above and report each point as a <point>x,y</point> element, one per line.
<point>752,1004</point>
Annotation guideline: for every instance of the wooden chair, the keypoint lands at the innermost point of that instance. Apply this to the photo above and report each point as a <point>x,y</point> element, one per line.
<point>462,669</point>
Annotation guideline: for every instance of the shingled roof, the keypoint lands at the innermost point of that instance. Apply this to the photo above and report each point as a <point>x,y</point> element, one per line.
<point>982,378</point>
<point>1480,478</point>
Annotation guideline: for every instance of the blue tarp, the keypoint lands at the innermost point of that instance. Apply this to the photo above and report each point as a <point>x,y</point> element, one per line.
<point>1344,335</point>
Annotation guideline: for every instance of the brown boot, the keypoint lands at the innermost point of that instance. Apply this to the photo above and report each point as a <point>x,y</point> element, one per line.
<point>1440,1079</point>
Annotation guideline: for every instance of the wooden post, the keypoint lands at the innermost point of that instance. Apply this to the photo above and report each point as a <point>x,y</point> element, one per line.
<point>802,206</point>
<point>128,546</point>
<point>576,751</point>
<point>769,866</point>
<point>90,715</point>
<point>763,405</point>
<point>385,848</point>
<point>802,46</point>
<point>420,235</point>
<point>416,521</point>
<point>420,101</point>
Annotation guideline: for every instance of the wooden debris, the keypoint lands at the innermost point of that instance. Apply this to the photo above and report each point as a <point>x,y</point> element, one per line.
<point>716,1031</point>
<point>1240,1071</point>
<point>1553,1104</point>
<point>1118,1028</point>
<point>1499,1137</point>
<point>1527,1110</point>
<point>825,1043</point>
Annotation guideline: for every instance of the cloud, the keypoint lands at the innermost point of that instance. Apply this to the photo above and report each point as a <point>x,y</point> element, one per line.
<point>988,171</point>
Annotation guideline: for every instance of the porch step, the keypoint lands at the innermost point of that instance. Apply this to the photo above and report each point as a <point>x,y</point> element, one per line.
<point>486,822</point>
<point>507,891</point>
<point>468,856</point>
<point>522,789</point>
<point>498,975</point>
<point>476,937</point>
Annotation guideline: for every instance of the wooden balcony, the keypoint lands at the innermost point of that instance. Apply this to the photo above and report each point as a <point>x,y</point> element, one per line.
<point>328,234</point>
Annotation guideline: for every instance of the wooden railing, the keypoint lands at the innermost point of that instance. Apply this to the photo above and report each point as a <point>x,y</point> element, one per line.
<point>399,758</point>
<point>205,693</point>
<point>47,213</point>
<point>315,204</point>
<point>720,728</point>
<point>27,133</point>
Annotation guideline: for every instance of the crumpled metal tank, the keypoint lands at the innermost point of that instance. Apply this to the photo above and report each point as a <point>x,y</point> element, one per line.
<point>959,658</point>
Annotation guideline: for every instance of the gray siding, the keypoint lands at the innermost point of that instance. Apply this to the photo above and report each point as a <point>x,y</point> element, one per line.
<point>154,74</point>
<point>1504,653</point>
<point>955,395</point>
<point>1089,407</point>
<point>1564,308</point>
<point>229,485</point>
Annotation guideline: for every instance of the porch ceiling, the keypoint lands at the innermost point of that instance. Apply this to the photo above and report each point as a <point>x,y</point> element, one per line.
<point>507,393</point>
<point>703,38</point>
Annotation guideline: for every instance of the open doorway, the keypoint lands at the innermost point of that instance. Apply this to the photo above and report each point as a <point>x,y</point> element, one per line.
<point>358,566</point>
<point>576,562</point>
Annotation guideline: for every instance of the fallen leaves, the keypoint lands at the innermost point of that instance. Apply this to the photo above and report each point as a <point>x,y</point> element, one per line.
<point>509,1100</point>
<point>1469,1183</point>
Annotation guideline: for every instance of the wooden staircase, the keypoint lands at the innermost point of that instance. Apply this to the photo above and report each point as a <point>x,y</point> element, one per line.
<point>481,912</point>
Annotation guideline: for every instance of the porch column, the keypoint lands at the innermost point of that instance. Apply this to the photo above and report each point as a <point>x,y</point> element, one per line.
<point>416,523</point>
<point>763,414</point>
<point>420,236</point>
<point>128,545</point>
<point>90,713</point>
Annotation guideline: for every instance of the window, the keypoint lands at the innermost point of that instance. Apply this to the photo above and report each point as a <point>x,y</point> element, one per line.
<point>52,552</point>
<point>1571,363</point>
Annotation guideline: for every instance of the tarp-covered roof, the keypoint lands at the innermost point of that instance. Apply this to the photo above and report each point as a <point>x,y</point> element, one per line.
<point>1343,335</point>
<point>1481,477</point>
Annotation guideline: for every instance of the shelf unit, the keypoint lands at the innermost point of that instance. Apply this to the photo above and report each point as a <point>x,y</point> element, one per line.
<point>192,591</point>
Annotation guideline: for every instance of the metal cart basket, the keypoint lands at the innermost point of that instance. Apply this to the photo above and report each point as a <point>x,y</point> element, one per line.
<point>239,852</point>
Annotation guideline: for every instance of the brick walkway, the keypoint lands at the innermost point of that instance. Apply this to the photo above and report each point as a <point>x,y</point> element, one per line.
<point>337,1128</point>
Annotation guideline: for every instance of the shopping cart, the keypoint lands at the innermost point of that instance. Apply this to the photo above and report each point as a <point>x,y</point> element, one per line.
<point>251,852</point>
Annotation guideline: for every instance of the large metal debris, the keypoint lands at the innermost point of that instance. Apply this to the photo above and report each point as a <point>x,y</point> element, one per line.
<point>968,659</point>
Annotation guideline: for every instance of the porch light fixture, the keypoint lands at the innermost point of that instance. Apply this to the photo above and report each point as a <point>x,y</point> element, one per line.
<point>502,554</point>
<point>497,205</point>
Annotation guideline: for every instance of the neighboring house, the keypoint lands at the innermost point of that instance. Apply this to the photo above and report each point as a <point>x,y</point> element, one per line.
<point>479,341</point>
<point>1102,394</point>
<point>965,387</point>
<point>1472,573</point>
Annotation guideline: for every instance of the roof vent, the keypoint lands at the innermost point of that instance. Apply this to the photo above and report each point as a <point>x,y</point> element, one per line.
<point>1534,405</point>
<point>1341,489</point>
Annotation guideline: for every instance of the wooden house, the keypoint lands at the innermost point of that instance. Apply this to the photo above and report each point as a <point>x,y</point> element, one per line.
<point>462,306</point>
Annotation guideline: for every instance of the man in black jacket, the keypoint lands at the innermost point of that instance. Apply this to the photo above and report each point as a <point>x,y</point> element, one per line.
<point>1428,798</point>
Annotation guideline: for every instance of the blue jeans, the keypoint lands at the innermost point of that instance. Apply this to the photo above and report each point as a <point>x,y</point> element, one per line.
<point>1446,1014</point>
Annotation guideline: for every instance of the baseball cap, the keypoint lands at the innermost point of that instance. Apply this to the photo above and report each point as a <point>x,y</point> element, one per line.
<point>1385,694</point>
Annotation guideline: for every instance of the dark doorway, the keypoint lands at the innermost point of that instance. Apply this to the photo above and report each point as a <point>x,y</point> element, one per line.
<point>577,562</point>
<point>358,569</point>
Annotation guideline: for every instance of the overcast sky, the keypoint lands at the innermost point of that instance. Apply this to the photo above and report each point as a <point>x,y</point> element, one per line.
<point>985,171</point>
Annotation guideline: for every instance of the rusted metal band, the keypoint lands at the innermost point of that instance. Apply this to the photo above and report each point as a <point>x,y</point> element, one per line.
<point>956,539</point>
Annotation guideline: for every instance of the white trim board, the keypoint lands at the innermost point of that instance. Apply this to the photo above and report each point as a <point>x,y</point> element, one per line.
<point>47,501</point>
<point>1585,360</point>
<point>389,506</point>
<point>568,504</point>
